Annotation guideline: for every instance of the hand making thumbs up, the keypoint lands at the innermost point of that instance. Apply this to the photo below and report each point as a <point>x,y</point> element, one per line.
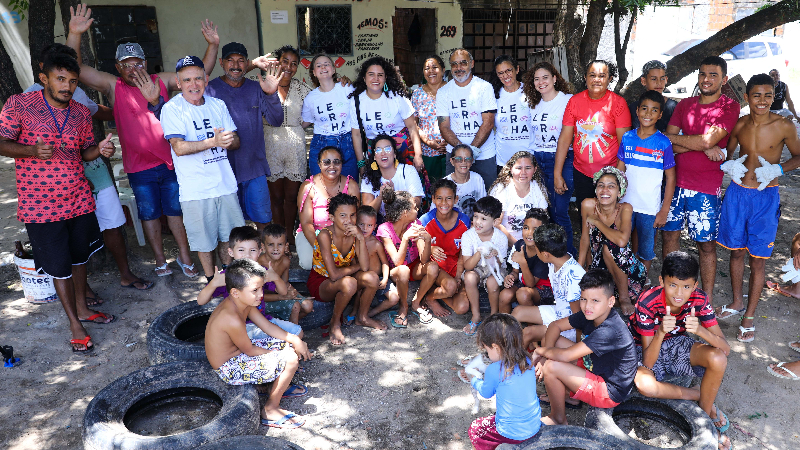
<point>667,322</point>
<point>692,324</point>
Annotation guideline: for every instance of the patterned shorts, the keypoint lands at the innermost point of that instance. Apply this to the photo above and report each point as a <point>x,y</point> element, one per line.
<point>243,369</point>
<point>673,359</point>
<point>696,211</point>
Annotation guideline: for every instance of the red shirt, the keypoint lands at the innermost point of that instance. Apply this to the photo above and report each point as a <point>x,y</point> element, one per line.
<point>596,123</point>
<point>140,132</point>
<point>55,189</point>
<point>693,169</point>
<point>652,306</point>
<point>448,240</point>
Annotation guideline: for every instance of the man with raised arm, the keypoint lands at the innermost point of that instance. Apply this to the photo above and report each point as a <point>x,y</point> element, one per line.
<point>705,122</point>
<point>135,97</point>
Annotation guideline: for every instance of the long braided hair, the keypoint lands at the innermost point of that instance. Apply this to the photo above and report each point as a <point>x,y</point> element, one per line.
<point>504,178</point>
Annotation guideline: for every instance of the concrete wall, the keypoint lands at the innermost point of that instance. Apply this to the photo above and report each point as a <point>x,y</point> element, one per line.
<point>371,39</point>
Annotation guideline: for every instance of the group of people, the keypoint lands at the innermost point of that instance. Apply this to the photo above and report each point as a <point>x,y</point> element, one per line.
<point>394,189</point>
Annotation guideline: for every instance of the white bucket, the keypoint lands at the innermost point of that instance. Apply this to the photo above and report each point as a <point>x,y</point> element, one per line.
<point>38,288</point>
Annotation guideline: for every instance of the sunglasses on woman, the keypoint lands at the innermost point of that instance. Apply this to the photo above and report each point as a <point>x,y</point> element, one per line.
<point>460,159</point>
<point>328,162</point>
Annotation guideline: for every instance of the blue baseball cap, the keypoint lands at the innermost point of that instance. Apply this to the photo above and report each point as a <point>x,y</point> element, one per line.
<point>188,61</point>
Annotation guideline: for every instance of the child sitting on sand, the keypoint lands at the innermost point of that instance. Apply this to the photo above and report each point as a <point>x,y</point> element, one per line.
<point>237,359</point>
<point>367,218</point>
<point>290,306</point>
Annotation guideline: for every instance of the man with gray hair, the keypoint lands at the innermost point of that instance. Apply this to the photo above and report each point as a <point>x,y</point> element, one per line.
<point>465,107</point>
<point>135,96</point>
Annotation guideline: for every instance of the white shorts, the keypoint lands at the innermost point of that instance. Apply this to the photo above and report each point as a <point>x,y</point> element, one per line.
<point>783,112</point>
<point>109,211</point>
<point>210,221</point>
<point>548,313</point>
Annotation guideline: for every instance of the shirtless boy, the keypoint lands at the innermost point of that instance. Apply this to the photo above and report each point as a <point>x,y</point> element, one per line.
<point>238,360</point>
<point>750,210</point>
<point>367,220</point>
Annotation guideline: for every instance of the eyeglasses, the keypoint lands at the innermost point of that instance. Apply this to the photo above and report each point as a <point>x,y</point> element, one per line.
<point>328,162</point>
<point>505,72</point>
<point>460,159</point>
<point>131,65</point>
<point>463,62</point>
<point>386,149</point>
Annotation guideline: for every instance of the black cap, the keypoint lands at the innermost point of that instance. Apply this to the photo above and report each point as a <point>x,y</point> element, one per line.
<point>233,48</point>
<point>188,61</point>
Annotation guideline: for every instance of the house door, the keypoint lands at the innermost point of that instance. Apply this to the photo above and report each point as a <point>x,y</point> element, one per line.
<point>414,32</point>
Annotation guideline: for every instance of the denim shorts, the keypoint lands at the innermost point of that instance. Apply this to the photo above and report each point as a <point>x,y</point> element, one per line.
<point>156,192</point>
<point>697,211</point>
<point>645,235</point>
<point>254,200</point>
<point>343,142</point>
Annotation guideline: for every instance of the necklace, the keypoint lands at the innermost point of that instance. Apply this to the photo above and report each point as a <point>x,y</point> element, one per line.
<point>338,187</point>
<point>61,127</point>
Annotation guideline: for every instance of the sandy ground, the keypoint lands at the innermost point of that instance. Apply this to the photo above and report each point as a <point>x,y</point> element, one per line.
<point>394,389</point>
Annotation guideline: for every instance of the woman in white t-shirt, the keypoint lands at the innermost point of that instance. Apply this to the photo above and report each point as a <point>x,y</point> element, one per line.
<point>328,108</point>
<point>511,123</point>
<point>548,93</point>
<point>386,172</point>
<point>469,185</point>
<point>519,188</point>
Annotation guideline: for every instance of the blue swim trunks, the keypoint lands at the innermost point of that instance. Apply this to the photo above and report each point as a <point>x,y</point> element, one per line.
<point>749,219</point>
<point>697,211</point>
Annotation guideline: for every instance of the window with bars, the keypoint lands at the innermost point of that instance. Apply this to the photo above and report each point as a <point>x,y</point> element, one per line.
<point>491,33</point>
<point>324,29</point>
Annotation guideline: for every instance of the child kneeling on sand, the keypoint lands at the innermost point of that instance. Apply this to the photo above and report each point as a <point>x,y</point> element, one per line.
<point>238,360</point>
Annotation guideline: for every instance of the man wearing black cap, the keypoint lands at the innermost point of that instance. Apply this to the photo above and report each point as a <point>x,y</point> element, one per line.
<point>145,154</point>
<point>244,98</point>
<point>200,131</point>
<point>654,78</point>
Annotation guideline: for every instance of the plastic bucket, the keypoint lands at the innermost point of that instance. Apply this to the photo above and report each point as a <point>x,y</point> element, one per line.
<point>38,288</point>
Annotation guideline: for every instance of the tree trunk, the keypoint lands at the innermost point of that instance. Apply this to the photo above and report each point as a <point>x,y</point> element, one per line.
<point>621,44</point>
<point>595,20</point>
<point>41,23</point>
<point>725,39</point>
<point>567,32</point>
<point>9,84</point>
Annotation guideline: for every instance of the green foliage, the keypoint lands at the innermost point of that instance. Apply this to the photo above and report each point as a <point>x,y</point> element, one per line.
<point>19,6</point>
<point>640,5</point>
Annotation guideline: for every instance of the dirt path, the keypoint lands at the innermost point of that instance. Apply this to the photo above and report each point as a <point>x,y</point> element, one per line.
<point>394,389</point>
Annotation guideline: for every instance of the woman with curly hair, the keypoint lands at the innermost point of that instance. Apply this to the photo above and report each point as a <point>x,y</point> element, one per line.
<point>594,123</point>
<point>327,107</point>
<point>385,173</point>
<point>286,143</point>
<point>434,148</point>
<point>548,93</point>
<point>519,187</point>
<point>511,122</point>
<point>606,237</point>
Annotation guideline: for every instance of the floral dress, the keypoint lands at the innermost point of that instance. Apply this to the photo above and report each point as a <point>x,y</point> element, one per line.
<point>624,257</point>
<point>425,106</point>
<point>286,144</point>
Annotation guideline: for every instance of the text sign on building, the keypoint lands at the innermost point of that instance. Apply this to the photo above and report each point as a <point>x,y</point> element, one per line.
<point>279,16</point>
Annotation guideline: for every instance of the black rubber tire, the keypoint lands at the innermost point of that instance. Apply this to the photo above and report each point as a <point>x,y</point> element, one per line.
<point>168,334</point>
<point>251,443</point>
<point>103,422</point>
<point>682,414</point>
<point>323,311</point>
<point>568,437</point>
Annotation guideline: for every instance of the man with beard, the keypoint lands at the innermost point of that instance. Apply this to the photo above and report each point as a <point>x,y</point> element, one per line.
<point>49,135</point>
<point>243,98</point>
<point>706,122</point>
<point>466,107</point>
<point>135,96</point>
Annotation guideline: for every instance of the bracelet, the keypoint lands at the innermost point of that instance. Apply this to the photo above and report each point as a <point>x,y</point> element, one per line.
<point>361,163</point>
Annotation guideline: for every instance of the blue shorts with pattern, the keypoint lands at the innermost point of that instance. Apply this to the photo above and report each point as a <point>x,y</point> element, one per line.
<point>674,358</point>
<point>749,219</point>
<point>697,211</point>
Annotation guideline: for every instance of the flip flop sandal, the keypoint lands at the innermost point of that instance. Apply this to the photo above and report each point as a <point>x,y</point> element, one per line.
<point>771,285</point>
<point>84,342</point>
<point>730,312</point>
<point>96,315</point>
<point>282,422</point>
<point>775,373</point>
<point>727,425</point>
<point>147,285</point>
<point>743,330</point>
<point>424,315</point>
<point>473,328</point>
<point>797,349</point>
<point>164,270</point>
<point>291,391</point>
<point>393,320</point>
<point>186,268</point>
<point>348,320</point>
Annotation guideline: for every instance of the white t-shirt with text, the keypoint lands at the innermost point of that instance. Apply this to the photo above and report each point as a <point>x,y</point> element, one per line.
<point>464,106</point>
<point>468,193</point>
<point>206,174</point>
<point>406,178</point>
<point>546,123</point>
<point>515,208</point>
<point>512,125</point>
<point>385,115</point>
<point>328,111</point>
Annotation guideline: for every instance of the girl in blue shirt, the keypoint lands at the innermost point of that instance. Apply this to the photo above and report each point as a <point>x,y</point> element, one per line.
<point>512,378</point>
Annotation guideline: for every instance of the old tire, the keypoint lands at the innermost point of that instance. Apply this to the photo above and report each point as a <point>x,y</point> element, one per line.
<point>251,443</point>
<point>104,423</point>
<point>685,416</point>
<point>323,311</point>
<point>177,334</point>
<point>571,437</point>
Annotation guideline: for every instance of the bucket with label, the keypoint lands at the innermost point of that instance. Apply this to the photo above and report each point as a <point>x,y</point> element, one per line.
<point>38,288</point>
